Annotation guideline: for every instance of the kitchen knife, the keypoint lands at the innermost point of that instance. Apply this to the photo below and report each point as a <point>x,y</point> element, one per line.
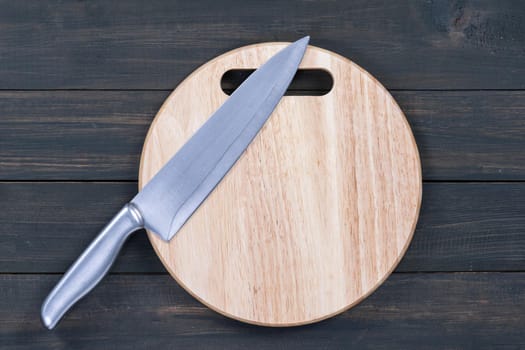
<point>177,190</point>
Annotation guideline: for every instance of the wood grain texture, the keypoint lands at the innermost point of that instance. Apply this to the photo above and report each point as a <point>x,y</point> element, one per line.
<point>153,45</point>
<point>98,135</point>
<point>314,215</point>
<point>410,311</point>
<point>462,227</point>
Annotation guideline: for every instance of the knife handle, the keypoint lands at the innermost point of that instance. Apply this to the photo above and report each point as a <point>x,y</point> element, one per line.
<point>91,266</point>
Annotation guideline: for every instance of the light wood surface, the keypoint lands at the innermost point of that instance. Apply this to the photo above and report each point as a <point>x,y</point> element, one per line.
<point>316,213</point>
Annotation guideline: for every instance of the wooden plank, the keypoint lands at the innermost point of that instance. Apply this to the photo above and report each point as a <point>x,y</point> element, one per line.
<point>474,135</point>
<point>129,45</point>
<point>74,135</point>
<point>98,135</point>
<point>462,227</point>
<point>469,227</point>
<point>410,311</point>
<point>46,226</point>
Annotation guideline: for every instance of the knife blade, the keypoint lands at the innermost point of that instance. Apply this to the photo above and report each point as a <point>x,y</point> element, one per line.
<point>183,183</point>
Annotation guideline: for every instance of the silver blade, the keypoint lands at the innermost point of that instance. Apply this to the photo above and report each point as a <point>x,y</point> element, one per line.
<point>177,190</point>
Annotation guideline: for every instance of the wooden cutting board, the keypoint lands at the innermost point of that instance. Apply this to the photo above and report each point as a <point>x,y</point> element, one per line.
<point>315,214</point>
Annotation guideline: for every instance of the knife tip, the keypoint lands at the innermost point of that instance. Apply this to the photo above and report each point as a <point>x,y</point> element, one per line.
<point>305,39</point>
<point>301,44</point>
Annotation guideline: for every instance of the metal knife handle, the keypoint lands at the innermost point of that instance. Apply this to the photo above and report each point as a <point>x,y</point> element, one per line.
<point>91,266</point>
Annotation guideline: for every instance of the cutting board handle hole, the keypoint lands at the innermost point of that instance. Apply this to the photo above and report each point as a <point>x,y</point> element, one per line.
<point>306,82</point>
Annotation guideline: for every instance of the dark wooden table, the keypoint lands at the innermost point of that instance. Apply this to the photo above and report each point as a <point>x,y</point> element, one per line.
<point>80,82</point>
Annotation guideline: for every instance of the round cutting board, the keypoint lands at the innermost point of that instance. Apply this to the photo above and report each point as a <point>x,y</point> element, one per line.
<point>315,214</point>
